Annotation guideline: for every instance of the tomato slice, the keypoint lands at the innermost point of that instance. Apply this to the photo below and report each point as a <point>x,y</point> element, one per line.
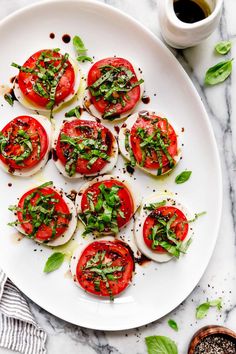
<point>179,225</point>
<point>26,143</point>
<point>116,256</point>
<point>149,125</point>
<point>27,80</point>
<point>101,140</point>
<point>43,214</point>
<point>124,209</point>
<point>129,99</point>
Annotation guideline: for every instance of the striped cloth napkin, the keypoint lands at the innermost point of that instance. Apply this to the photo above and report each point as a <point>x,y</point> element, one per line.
<point>18,329</point>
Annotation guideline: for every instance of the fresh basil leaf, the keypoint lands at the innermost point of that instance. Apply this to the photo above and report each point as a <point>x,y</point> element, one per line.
<point>223,47</point>
<point>79,45</point>
<point>202,310</point>
<point>9,99</point>
<point>218,73</point>
<point>54,262</point>
<point>160,345</point>
<point>173,325</point>
<point>183,177</point>
<point>154,206</point>
<point>84,58</point>
<point>74,112</point>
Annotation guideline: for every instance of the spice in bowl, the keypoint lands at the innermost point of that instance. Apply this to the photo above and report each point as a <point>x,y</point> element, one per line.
<point>216,344</point>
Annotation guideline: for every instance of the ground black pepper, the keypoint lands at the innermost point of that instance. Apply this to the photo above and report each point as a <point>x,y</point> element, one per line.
<point>216,344</point>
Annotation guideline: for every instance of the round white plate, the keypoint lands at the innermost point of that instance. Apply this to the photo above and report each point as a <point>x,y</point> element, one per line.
<point>157,288</point>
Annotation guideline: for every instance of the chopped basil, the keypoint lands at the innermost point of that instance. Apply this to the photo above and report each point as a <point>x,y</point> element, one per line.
<point>79,45</point>
<point>183,177</point>
<point>84,58</point>
<point>101,216</point>
<point>160,345</point>
<point>9,99</point>
<point>113,86</point>
<point>202,310</point>
<point>218,73</point>
<point>101,271</point>
<point>54,262</point>
<point>173,325</point>
<point>223,47</point>
<point>129,150</point>
<point>74,112</point>
<point>154,206</point>
<point>87,148</point>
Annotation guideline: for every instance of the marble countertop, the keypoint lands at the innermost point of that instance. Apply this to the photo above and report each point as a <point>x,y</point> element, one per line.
<point>220,277</point>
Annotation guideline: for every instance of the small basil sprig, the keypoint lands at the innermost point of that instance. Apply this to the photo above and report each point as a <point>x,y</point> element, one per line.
<point>223,47</point>
<point>202,310</point>
<point>173,325</point>
<point>183,177</point>
<point>54,262</point>
<point>219,72</point>
<point>160,345</point>
<point>80,49</point>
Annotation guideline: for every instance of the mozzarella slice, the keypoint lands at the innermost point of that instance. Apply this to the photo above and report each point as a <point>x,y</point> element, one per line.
<point>30,105</point>
<point>126,181</point>
<point>121,140</point>
<point>107,168</point>
<point>139,223</point>
<point>88,105</point>
<point>26,172</point>
<point>64,238</point>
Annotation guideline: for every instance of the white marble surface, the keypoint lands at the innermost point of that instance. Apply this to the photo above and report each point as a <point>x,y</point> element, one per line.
<point>220,277</point>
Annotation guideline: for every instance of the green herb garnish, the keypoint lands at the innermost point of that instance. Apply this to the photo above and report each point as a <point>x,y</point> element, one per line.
<point>84,58</point>
<point>202,310</point>
<point>74,112</point>
<point>223,47</point>
<point>218,73</point>
<point>173,325</point>
<point>54,262</point>
<point>160,345</point>
<point>9,99</point>
<point>80,49</point>
<point>183,177</point>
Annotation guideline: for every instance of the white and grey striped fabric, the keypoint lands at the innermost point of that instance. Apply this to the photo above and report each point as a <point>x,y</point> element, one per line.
<point>18,329</point>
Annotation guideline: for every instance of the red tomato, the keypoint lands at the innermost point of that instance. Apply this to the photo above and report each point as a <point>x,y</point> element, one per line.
<point>73,129</point>
<point>116,252</point>
<point>168,135</point>
<point>102,105</point>
<point>179,225</point>
<point>26,81</point>
<point>37,135</point>
<point>126,200</point>
<point>60,218</point>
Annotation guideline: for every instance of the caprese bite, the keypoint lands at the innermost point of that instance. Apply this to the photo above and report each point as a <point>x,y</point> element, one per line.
<point>114,87</point>
<point>105,205</point>
<point>103,268</point>
<point>150,142</point>
<point>162,229</point>
<point>45,215</point>
<point>25,143</point>
<point>46,80</point>
<point>84,148</point>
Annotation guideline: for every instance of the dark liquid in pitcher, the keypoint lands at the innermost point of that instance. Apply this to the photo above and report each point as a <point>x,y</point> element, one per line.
<point>191,11</point>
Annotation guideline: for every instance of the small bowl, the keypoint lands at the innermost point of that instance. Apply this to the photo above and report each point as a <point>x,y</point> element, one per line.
<point>208,331</point>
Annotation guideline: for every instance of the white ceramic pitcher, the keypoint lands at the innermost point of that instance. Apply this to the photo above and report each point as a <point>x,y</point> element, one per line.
<point>179,34</point>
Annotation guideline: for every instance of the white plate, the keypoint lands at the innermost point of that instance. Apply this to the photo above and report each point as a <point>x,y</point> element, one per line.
<point>157,289</point>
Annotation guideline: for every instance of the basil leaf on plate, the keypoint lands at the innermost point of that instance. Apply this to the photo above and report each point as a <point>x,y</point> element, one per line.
<point>54,262</point>
<point>9,99</point>
<point>79,45</point>
<point>218,73</point>
<point>223,47</point>
<point>202,310</point>
<point>160,345</point>
<point>84,58</point>
<point>183,177</point>
<point>173,325</point>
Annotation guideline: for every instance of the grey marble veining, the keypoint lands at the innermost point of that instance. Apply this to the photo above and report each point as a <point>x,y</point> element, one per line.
<point>220,277</point>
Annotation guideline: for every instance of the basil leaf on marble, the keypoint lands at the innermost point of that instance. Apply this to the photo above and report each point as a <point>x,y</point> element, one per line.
<point>173,325</point>
<point>223,47</point>
<point>218,73</point>
<point>54,262</point>
<point>160,345</point>
<point>202,310</point>
<point>183,177</point>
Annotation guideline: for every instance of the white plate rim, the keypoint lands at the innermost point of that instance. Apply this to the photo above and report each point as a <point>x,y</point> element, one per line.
<point>219,180</point>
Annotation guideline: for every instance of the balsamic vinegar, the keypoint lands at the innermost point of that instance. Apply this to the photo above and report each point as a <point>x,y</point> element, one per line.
<point>191,11</point>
